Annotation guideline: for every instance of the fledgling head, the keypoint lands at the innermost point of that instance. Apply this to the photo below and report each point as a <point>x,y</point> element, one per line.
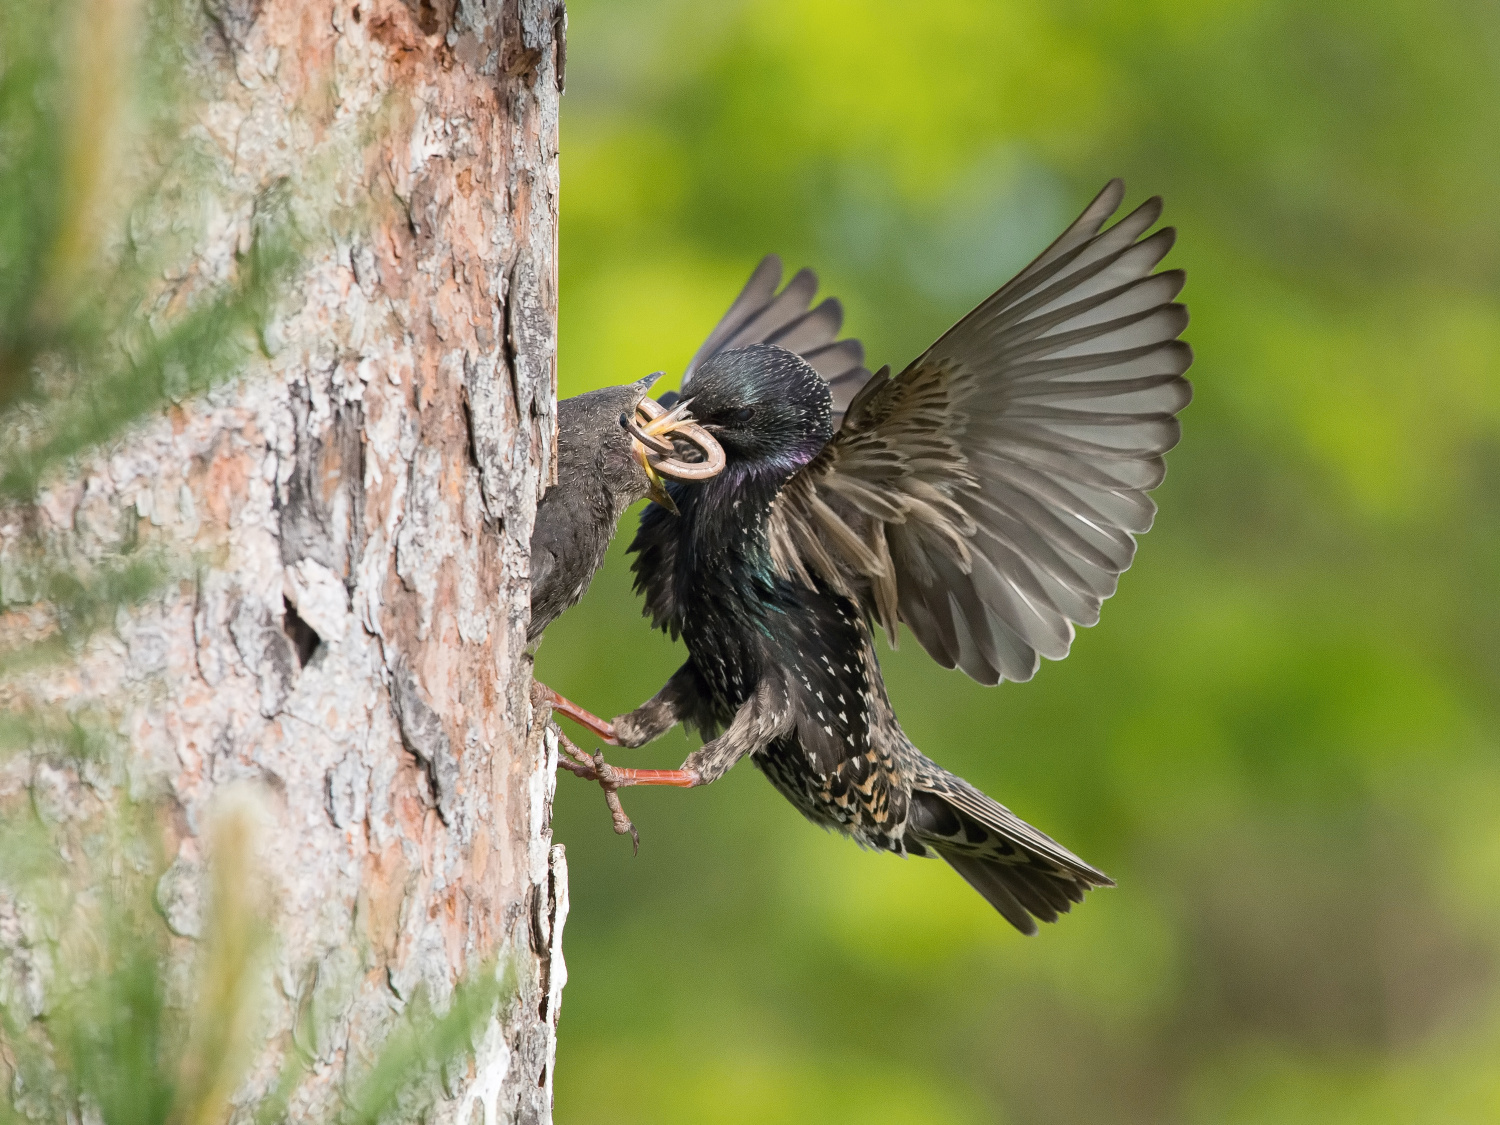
<point>766,406</point>
<point>591,438</point>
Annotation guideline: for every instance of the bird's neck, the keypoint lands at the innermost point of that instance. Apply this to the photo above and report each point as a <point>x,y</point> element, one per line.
<point>724,519</point>
<point>725,566</point>
<point>730,603</point>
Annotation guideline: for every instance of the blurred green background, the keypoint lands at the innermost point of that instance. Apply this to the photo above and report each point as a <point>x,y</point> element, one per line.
<point>1282,737</point>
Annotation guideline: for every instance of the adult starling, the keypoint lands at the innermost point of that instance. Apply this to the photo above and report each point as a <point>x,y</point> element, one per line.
<point>987,497</point>
<point>601,472</point>
<point>608,458</point>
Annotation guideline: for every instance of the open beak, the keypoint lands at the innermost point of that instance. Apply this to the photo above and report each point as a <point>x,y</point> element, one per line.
<point>653,429</point>
<point>656,488</point>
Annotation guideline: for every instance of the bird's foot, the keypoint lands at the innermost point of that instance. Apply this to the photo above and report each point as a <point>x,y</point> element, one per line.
<point>545,696</point>
<point>597,769</point>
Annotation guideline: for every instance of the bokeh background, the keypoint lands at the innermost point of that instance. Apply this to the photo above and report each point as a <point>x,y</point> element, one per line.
<point>1282,737</point>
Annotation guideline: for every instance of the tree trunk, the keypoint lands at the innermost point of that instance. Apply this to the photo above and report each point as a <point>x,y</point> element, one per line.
<point>361,504</point>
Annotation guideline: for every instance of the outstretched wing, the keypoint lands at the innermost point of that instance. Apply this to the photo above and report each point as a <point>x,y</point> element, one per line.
<point>761,315</point>
<point>989,495</point>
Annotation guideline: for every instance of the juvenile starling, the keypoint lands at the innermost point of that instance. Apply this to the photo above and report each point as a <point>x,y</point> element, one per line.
<point>613,446</point>
<point>987,497</point>
<point>606,461</point>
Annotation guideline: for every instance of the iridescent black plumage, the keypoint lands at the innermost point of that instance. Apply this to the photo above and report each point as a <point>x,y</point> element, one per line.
<point>835,750</point>
<point>598,478</point>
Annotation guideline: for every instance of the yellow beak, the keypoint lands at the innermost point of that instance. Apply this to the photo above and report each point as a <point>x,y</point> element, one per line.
<point>656,488</point>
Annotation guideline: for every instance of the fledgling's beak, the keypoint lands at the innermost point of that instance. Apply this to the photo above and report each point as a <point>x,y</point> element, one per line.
<point>656,488</point>
<point>653,428</point>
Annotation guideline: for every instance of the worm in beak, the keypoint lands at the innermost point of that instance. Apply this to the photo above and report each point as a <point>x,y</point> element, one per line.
<point>653,429</point>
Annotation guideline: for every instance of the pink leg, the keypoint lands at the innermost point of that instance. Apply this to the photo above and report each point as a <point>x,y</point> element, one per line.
<point>684,778</point>
<point>610,778</point>
<point>594,769</point>
<point>563,706</point>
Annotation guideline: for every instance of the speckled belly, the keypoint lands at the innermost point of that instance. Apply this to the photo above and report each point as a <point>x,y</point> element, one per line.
<point>860,798</point>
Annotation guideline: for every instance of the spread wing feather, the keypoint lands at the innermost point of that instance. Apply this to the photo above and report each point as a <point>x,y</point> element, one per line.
<point>989,495</point>
<point>761,315</point>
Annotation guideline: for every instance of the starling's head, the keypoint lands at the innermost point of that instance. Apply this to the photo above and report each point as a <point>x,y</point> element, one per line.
<point>594,417</point>
<point>765,405</point>
<point>626,441</point>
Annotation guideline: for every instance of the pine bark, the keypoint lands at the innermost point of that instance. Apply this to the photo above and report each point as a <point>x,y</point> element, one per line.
<point>359,504</point>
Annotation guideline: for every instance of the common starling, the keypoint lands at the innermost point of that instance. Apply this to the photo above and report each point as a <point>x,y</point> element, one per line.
<point>613,447</point>
<point>607,459</point>
<point>988,497</point>
<point>600,474</point>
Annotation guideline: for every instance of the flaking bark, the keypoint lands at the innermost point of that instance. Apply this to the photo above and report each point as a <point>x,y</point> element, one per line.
<point>360,506</point>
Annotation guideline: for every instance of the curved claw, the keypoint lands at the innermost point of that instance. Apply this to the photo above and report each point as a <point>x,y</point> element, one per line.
<point>597,769</point>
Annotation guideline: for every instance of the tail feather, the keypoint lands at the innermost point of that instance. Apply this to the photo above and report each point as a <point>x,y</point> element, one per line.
<point>1052,891</point>
<point>1028,894</point>
<point>986,878</point>
<point>1022,872</point>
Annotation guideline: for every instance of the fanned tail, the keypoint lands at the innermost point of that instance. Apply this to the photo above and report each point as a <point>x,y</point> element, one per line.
<point>1022,872</point>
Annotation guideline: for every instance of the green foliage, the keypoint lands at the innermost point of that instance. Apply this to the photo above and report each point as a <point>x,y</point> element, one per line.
<point>127,370</point>
<point>423,1044</point>
<point>90,342</point>
<point>78,602</point>
<point>1281,738</point>
<point>93,212</point>
<point>95,180</point>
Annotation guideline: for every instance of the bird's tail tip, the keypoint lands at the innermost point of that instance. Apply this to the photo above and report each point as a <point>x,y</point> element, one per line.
<point>1022,872</point>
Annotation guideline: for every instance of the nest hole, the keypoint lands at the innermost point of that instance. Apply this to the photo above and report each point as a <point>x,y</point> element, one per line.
<point>303,636</point>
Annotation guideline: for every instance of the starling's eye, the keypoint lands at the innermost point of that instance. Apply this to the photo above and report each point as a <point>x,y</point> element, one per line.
<point>744,414</point>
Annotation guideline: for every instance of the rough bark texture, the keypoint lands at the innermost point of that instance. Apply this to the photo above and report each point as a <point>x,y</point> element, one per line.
<point>361,503</point>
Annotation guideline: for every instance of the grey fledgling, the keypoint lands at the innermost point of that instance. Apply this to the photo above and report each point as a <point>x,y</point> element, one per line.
<point>598,477</point>
<point>608,457</point>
